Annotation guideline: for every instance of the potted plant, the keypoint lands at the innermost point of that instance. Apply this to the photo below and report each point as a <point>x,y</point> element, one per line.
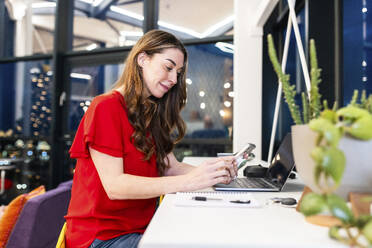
<point>332,150</point>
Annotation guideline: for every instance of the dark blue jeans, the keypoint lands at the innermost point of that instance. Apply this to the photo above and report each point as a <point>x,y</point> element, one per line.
<point>125,241</point>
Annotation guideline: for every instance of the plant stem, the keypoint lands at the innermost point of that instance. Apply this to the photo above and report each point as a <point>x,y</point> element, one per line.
<point>289,91</point>
<point>354,99</point>
<point>305,107</point>
<point>335,106</point>
<point>315,106</point>
<point>353,241</point>
<point>363,99</point>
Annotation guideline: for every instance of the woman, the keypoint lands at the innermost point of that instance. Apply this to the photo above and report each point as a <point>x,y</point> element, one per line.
<point>124,149</point>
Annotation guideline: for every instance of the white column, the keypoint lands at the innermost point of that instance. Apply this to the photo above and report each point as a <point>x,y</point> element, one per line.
<point>21,12</point>
<point>250,16</point>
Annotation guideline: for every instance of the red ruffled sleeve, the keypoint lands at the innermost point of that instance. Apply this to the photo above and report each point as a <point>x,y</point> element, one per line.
<point>100,128</point>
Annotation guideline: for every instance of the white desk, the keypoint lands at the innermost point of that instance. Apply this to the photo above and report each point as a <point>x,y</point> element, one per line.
<point>269,226</point>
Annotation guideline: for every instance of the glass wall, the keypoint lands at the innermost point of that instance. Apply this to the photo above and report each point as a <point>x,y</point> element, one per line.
<point>357,39</point>
<point>86,83</point>
<point>26,86</point>
<point>209,108</point>
<point>29,28</point>
<point>25,124</point>
<point>115,24</point>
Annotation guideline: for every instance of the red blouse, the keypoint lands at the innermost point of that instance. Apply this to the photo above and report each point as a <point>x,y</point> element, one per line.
<point>105,127</point>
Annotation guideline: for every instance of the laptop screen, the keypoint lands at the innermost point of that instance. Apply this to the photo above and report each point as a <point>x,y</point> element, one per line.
<point>282,163</point>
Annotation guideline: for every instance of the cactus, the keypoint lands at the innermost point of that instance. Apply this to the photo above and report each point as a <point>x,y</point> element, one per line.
<point>315,106</point>
<point>325,104</point>
<point>354,99</point>
<point>335,106</point>
<point>305,107</point>
<point>363,99</point>
<point>289,90</point>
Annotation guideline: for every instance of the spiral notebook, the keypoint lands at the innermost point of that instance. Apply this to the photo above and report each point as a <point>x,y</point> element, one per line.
<point>216,199</point>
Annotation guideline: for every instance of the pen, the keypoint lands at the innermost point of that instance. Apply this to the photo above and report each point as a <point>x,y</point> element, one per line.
<point>241,202</point>
<point>203,198</point>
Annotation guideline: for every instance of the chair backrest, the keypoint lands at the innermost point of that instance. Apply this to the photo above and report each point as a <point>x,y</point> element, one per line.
<point>41,219</point>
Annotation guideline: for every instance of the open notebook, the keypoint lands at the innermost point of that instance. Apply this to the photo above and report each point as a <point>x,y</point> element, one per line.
<point>216,199</point>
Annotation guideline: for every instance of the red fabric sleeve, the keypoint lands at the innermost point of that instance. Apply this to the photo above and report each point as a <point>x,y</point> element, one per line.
<point>100,128</point>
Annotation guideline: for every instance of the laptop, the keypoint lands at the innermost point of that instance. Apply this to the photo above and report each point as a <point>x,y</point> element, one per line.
<point>276,175</point>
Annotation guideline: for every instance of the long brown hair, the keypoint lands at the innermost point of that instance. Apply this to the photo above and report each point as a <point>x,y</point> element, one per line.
<point>157,123</point>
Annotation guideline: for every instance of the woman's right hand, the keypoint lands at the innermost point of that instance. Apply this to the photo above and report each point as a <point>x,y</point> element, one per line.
<point>209,173</point>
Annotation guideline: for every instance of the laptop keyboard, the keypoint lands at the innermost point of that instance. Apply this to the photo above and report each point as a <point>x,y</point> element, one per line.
<point>253,183</point>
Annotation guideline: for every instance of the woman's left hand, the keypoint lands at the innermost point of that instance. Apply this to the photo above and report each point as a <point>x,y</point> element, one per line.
<point>231,167</point>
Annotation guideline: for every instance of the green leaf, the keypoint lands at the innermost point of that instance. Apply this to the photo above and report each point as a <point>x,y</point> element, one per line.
<point>362,220</point>
<point>333,163</point>
<point>317,172</point>
<point>339,209</point>
<point>329,115</point>
<point>333,232</point>
<point>367,231</point>
<point>352,112</point>
<point>361,129</point>
<point>317,154</point>
<point>330,132</point>
<point>312,204</point>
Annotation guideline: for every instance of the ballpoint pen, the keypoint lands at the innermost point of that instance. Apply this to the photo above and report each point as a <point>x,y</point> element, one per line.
<point>203,198</point>
<point>241,202</point>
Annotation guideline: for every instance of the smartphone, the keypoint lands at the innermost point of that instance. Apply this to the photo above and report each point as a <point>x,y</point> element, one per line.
<point>243,155</point>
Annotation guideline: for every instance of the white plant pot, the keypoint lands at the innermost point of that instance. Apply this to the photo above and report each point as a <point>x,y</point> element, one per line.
<point>358,171</point>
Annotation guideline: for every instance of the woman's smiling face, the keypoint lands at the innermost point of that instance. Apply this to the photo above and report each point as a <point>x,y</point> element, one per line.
<point>160,71</point>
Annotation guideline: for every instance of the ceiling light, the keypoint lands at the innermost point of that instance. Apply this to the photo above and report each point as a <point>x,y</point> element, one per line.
<point>227,85</point>
<point>225,47</point>
<point>181,29</point>
<point>201,93</point>
<point>91,47</point>
<point>231,94</point>
<point>97,2</point>
<point>222,113</point>
<point>81,76</point>
<point>227,104</point>
<point>87,1</point>
<point>202,105</point>
<point>44,5</point>
<point>126,12</point>
<point>188,81</point>
<point>218,25</point>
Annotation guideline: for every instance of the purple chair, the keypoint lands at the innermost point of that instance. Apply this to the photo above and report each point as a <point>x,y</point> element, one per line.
<point>41,219</point>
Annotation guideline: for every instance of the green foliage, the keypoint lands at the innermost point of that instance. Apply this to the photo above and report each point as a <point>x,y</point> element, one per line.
<point>363,99</point>
<point>315,106</point>
<point>305,107</point>
<point>369,104</point>
<point>339,209</point>
<point>354,98</point>
<point>331,125</point>
<point>335,106</point>
<point>312,204</point>
<point>325,104</point>
<point>330,161</point>
<point>289,90</point>
<point>367,231</point>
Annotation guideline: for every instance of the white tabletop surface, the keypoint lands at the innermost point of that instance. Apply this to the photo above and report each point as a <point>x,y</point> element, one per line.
<point>271,225</point>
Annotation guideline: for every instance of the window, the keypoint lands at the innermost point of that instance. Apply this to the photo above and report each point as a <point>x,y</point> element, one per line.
<point>357,39</point>
<point>115,24</point>
<point>30,27</point>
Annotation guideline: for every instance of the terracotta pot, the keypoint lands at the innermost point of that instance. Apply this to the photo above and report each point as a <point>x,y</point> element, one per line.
<point>358,171</point>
